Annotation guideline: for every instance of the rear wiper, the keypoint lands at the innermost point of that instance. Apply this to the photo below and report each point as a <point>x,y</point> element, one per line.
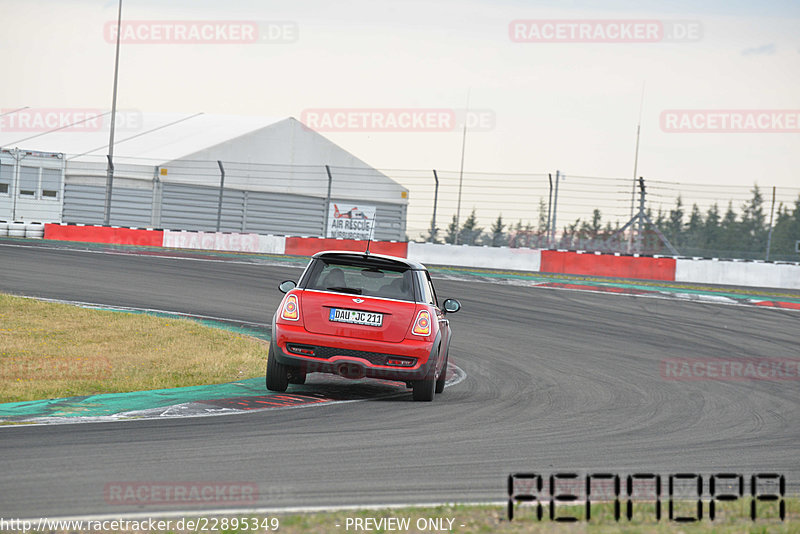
<point>353,290</point>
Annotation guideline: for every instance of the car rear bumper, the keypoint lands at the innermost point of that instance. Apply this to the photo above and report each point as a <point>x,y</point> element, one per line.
<point>354,358</point>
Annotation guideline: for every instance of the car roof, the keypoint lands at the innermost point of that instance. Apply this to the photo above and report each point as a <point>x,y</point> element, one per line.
<point>375,259</point>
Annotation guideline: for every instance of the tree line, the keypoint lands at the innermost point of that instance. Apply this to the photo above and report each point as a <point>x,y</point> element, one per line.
<point>741,233</point>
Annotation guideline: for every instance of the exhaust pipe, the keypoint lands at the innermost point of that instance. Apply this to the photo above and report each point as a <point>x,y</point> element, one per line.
<point>352,371</point>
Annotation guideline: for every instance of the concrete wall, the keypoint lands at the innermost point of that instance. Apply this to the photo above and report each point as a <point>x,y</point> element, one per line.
<point>517,259</point>
<point>230,242</point>
<point>738,273</point>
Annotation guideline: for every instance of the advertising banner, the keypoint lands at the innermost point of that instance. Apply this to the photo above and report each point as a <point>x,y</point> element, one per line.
<point>347,221</point>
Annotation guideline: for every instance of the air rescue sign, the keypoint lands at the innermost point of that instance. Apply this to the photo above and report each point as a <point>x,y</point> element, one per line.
<point>348,221</point>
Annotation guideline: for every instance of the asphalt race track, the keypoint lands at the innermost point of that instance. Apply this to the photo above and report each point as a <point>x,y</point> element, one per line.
<point>556,381</point>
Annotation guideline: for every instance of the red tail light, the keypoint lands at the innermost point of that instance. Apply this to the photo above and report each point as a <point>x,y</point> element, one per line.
<point>291,309</point>
<point>401,362</point>
<point>300,349</point>
<point>422,324</point>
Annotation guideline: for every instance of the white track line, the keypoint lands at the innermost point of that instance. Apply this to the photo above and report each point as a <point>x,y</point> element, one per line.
<point>160,255</point>
<point>98,306</point>
<point>657,294</point>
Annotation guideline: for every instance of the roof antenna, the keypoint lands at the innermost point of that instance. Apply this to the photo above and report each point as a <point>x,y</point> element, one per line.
<point>371,230</point>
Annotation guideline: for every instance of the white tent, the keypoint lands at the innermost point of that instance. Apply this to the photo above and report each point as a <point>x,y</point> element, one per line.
<point>264,154</point>
<point>154,150</point>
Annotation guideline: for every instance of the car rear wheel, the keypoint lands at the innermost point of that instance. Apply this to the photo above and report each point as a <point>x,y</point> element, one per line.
<point>442,377</point>
<point>277,373</point>
<point>424,389</point>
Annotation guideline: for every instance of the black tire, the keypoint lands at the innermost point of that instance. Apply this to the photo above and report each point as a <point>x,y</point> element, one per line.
<point>424,389</point>
<point>442,377</point>
<point>277,373</point>
<point>296,375</point>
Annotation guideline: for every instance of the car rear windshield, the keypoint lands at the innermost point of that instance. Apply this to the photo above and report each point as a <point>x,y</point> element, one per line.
<point>393,282</point>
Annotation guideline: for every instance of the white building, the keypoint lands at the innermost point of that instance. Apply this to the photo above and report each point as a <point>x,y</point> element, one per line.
<point>167,173</point>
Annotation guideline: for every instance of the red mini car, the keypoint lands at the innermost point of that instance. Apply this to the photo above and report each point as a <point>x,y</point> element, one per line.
<point>360,315</point>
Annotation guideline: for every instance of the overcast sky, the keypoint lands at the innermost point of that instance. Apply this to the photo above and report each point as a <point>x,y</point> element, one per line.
<point>562,105</point>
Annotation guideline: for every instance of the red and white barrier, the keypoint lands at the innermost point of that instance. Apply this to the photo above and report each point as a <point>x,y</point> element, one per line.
<point>723,272</point>
<point>104,234</point>
<point>225,242</point>
<point>217,241</point>
<point>589,263</point>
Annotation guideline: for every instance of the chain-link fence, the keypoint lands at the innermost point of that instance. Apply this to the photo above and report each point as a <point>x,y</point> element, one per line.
<point>536,210</point>
<point>557,210</point>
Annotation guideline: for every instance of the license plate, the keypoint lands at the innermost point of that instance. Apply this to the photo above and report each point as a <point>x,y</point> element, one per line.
<point>339,315</point>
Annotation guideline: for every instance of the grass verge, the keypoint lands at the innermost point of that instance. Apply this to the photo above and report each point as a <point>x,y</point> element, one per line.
<point>731,517</point>
<point>51,350</point>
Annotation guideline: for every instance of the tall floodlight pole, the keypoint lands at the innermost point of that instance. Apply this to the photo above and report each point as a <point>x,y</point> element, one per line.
<point>221,190</point>
<point>555,209</point>
<point>636,163</point>
<point>771,213</point>
<point>460,184</point>
<point>549,207</point>
<point>640,218</point>
<point>435,202</point>
<point>461,172</point>
<point>110,168</point>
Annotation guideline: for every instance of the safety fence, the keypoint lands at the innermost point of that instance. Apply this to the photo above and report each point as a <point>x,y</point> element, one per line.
<point>312,200</point>
<point>550,210</point>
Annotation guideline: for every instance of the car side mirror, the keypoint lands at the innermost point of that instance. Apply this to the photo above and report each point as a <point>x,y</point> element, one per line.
<point>451,305</point>
<point>287,285</point>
